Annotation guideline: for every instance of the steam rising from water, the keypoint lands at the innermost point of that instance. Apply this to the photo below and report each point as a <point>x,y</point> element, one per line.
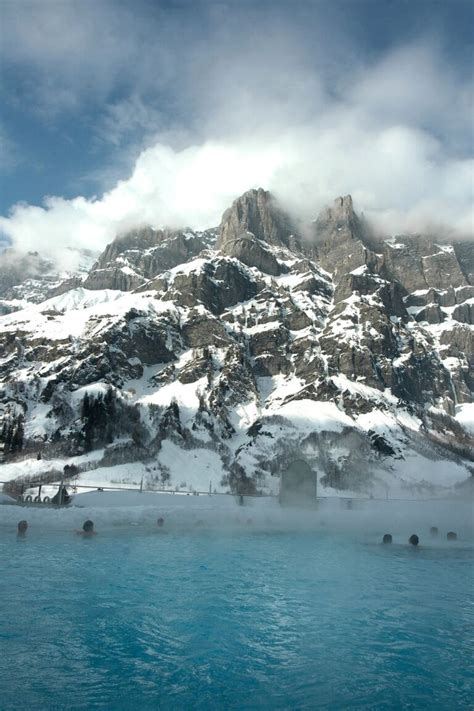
<point>365,519</point>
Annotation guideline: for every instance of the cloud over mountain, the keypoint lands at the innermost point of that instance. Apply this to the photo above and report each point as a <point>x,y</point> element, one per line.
<point>247,99</point>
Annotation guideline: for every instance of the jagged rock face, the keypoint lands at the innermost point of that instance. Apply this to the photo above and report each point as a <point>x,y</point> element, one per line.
<point>201,330</point>
<point>342,240</point>
<point>251,225</point>
<point>121,278</point>
<point>338,223</point>
<point>431,314</point>
<point>465,255</point>
<point>361,342</point>
<point>458,340</point>
<point>140,255</point>
<point>364,283</point>
<point>464,313</point>
<point>216,283</point>
<point>136,240</point>
<point>257,347</point>
<point>418,263</point>
<point>252,253</point>
<point>256,212</point>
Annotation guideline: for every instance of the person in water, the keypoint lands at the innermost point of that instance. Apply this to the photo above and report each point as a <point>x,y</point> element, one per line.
<point>413,540</point>
<point>87,529</point>
<point>451,536</point>
<point>387,538</point>
<point>160,522</point>
<point>22,529</point>
<point>434,531</point>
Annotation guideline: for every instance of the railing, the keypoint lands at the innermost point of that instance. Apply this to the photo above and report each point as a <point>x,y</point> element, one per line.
<point>347,502</point>
<point>139,488</point>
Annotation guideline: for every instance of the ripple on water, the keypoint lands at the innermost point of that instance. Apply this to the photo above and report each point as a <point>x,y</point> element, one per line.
<point>254,621</point>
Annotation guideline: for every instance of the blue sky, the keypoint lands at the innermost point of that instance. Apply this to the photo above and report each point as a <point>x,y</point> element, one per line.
<point>106,94</point>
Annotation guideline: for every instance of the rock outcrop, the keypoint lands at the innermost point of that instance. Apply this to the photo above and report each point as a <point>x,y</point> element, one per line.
<point>140,255</point>
<point>342,240</point>
<point>256,212</point>
<point>251,225</point>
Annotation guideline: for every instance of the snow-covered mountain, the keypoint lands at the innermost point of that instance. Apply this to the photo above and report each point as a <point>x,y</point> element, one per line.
<point>218,357</point>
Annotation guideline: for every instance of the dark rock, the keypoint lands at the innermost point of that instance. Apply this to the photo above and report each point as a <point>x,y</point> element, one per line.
<point>464,313</point>
<point>462,294</point>
<point>431,314</point>
<point>419,263</point>
<point>253,253</point>
<point>448,297</point>
<point>389,293</point>
<point>217,285</point>
<point>201,331</point>
<point>197,368</point>
<point>458,340</point>
<point>465,255</point>
<point>121,279</point>
<point>441,270</point>
<point>380,444</point>
<point>421,379</point>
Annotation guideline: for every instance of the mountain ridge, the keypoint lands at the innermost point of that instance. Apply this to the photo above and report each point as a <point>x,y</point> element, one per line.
<point>350,350</point>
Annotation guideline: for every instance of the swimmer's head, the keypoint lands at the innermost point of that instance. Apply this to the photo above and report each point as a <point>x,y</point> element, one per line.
<point>88,526</point>
<point>451,536</point>
<point>414,540</point>
<point>160,522</point>
<point>22,526</point>
<point>387,538</point>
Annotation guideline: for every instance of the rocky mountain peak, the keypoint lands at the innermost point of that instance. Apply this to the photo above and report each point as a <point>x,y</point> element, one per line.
<point>252,226</point>
<point>338,222</point>
<point>344,205</point>
<point>135,257</point>
<point>138,239</point>
<point>343,238</point>
<point>257,213</point>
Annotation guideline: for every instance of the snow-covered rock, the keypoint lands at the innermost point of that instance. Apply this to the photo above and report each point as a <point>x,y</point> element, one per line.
<point>212,359</point>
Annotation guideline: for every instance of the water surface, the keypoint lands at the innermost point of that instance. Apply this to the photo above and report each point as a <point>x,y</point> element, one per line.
<point>134,619</point>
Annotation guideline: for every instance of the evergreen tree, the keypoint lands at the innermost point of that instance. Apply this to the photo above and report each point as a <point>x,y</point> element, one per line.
<point>18,435</point>
<point>111,415</point>
<point>85,410</point>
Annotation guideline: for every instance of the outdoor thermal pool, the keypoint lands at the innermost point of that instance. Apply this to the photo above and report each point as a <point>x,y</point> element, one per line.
<point>246,616</point>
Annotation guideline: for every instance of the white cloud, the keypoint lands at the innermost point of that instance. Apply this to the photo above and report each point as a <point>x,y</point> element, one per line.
<point>256,103</point>
<point>396,175</point>
<point>167,188</point>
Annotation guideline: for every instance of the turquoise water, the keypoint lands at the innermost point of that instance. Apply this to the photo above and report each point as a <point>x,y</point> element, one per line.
<point>136,620</point>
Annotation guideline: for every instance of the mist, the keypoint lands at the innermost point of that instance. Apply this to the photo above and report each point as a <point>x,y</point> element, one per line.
<point>366,520</point>
<point>257,101</point>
